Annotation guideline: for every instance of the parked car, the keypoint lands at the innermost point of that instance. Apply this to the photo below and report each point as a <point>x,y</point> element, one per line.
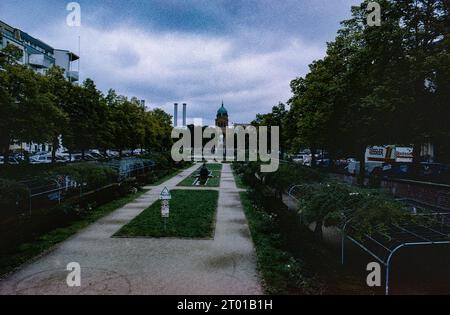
<point>40,159</point>
<point>300,158</point>
<point>112,153</point>
<point>139,151</point>
<point>11,160</point>
<point>79,157</point>
<point>47,159</point>
<point>324,160</point>
<point>96,154</point>
<point>41,153</point>
<point>20,156</point>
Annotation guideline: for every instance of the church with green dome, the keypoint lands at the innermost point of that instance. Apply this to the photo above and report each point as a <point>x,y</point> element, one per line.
<point>222,118</point>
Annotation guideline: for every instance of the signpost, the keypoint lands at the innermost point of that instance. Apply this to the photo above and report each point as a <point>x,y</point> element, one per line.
<point>165,205</point>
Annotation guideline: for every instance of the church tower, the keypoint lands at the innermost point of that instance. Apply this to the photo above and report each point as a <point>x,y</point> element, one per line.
<point>222,118</point>
<point>222,122</point>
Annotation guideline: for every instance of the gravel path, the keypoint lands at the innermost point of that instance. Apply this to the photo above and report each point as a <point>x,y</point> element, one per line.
<point>223,265</point>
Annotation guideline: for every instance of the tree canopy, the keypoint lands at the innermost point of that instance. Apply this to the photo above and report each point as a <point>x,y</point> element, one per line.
<point>377,85</point>
<point>48,108</point>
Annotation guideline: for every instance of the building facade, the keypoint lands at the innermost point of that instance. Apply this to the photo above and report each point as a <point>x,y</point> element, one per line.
<point>40,57</point>
<point>36,54</point>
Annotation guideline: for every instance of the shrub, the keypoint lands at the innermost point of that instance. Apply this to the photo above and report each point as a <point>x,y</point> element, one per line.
<point>163,160</point>
<point>291,174</point>
<point>91,176</point>
<point>331,203</point>
<point>12,196</point>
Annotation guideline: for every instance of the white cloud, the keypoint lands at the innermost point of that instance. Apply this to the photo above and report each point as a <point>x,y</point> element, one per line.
<point>167,67</point>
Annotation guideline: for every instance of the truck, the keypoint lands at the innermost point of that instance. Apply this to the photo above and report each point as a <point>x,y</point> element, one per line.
<point>378,157</point>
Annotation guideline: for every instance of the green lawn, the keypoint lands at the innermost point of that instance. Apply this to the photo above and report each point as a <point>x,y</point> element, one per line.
<point>216,170</point>
<point>238,179</point>
<point>192,215</point>
<point>27,251</point>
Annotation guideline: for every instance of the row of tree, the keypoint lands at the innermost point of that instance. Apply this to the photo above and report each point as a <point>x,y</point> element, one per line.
<point>377,85</point>
<point>45,108</point>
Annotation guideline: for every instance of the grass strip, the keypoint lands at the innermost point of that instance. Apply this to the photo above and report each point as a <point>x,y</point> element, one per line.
<point>216,170</point>
<point>192,215</point>
<point>173,172</point>
<point>282,273</point>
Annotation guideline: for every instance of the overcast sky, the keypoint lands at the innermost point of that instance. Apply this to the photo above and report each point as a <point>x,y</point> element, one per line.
<point>200,52</point>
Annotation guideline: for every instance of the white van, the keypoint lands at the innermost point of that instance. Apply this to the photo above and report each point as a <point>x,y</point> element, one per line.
<point>380,156</point>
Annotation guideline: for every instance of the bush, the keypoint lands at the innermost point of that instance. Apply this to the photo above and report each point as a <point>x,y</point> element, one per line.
<point>91,176</point>
<point>247,171</point>
<point>12,196</point>
<point>331,203</point>
<point>163,160</point>
<point>288,174</point>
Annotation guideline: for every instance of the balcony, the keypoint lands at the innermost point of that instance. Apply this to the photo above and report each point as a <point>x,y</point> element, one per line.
<point>72,76</point>
<point>40,61</point>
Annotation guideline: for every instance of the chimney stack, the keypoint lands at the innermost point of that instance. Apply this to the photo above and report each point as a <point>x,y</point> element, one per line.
<point>184,114</point>
<point>175,115</point>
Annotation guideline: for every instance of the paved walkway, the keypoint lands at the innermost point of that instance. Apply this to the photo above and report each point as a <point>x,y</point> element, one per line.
<point>224,265</point>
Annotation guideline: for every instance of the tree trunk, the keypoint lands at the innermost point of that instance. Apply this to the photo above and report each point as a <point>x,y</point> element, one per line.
<point>416,160</point>
<point>82,154</point>
<point>362,166</point>
<point>5,145</point>
<point>55,148</point>
<point>318,230</point>
<point>313,156</point>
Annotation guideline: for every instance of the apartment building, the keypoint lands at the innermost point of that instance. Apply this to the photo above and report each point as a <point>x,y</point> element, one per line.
<point>37,54</point>
<point>40,57</point>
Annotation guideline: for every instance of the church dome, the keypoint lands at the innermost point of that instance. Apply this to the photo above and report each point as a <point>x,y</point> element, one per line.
<point>222,111</point>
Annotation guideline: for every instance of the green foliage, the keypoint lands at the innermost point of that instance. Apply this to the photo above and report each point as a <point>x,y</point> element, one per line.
<point>12,196</point>
<point>133,127</point>
<point>275,118</point>
<point>91,176</point>
<point>289,174</point>
<point>247,171</point>
<point>377,85</point>
<point>39,108</point>
<point>333,203</point>
<point>28,111</point>
<point>237,173</point>
<point>280,270</point>
<point>10,55</point>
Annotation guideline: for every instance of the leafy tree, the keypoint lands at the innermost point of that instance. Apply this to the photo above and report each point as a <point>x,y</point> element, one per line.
<point>84,109</point>
<point>275,118</point>
<point>56,84</point>
<point>127,122</point>
<point>163,130</point>
<point>28,111</point>
<point>377,85</point>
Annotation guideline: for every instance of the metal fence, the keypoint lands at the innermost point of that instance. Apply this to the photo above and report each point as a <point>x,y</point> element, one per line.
<point>48,191</point>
